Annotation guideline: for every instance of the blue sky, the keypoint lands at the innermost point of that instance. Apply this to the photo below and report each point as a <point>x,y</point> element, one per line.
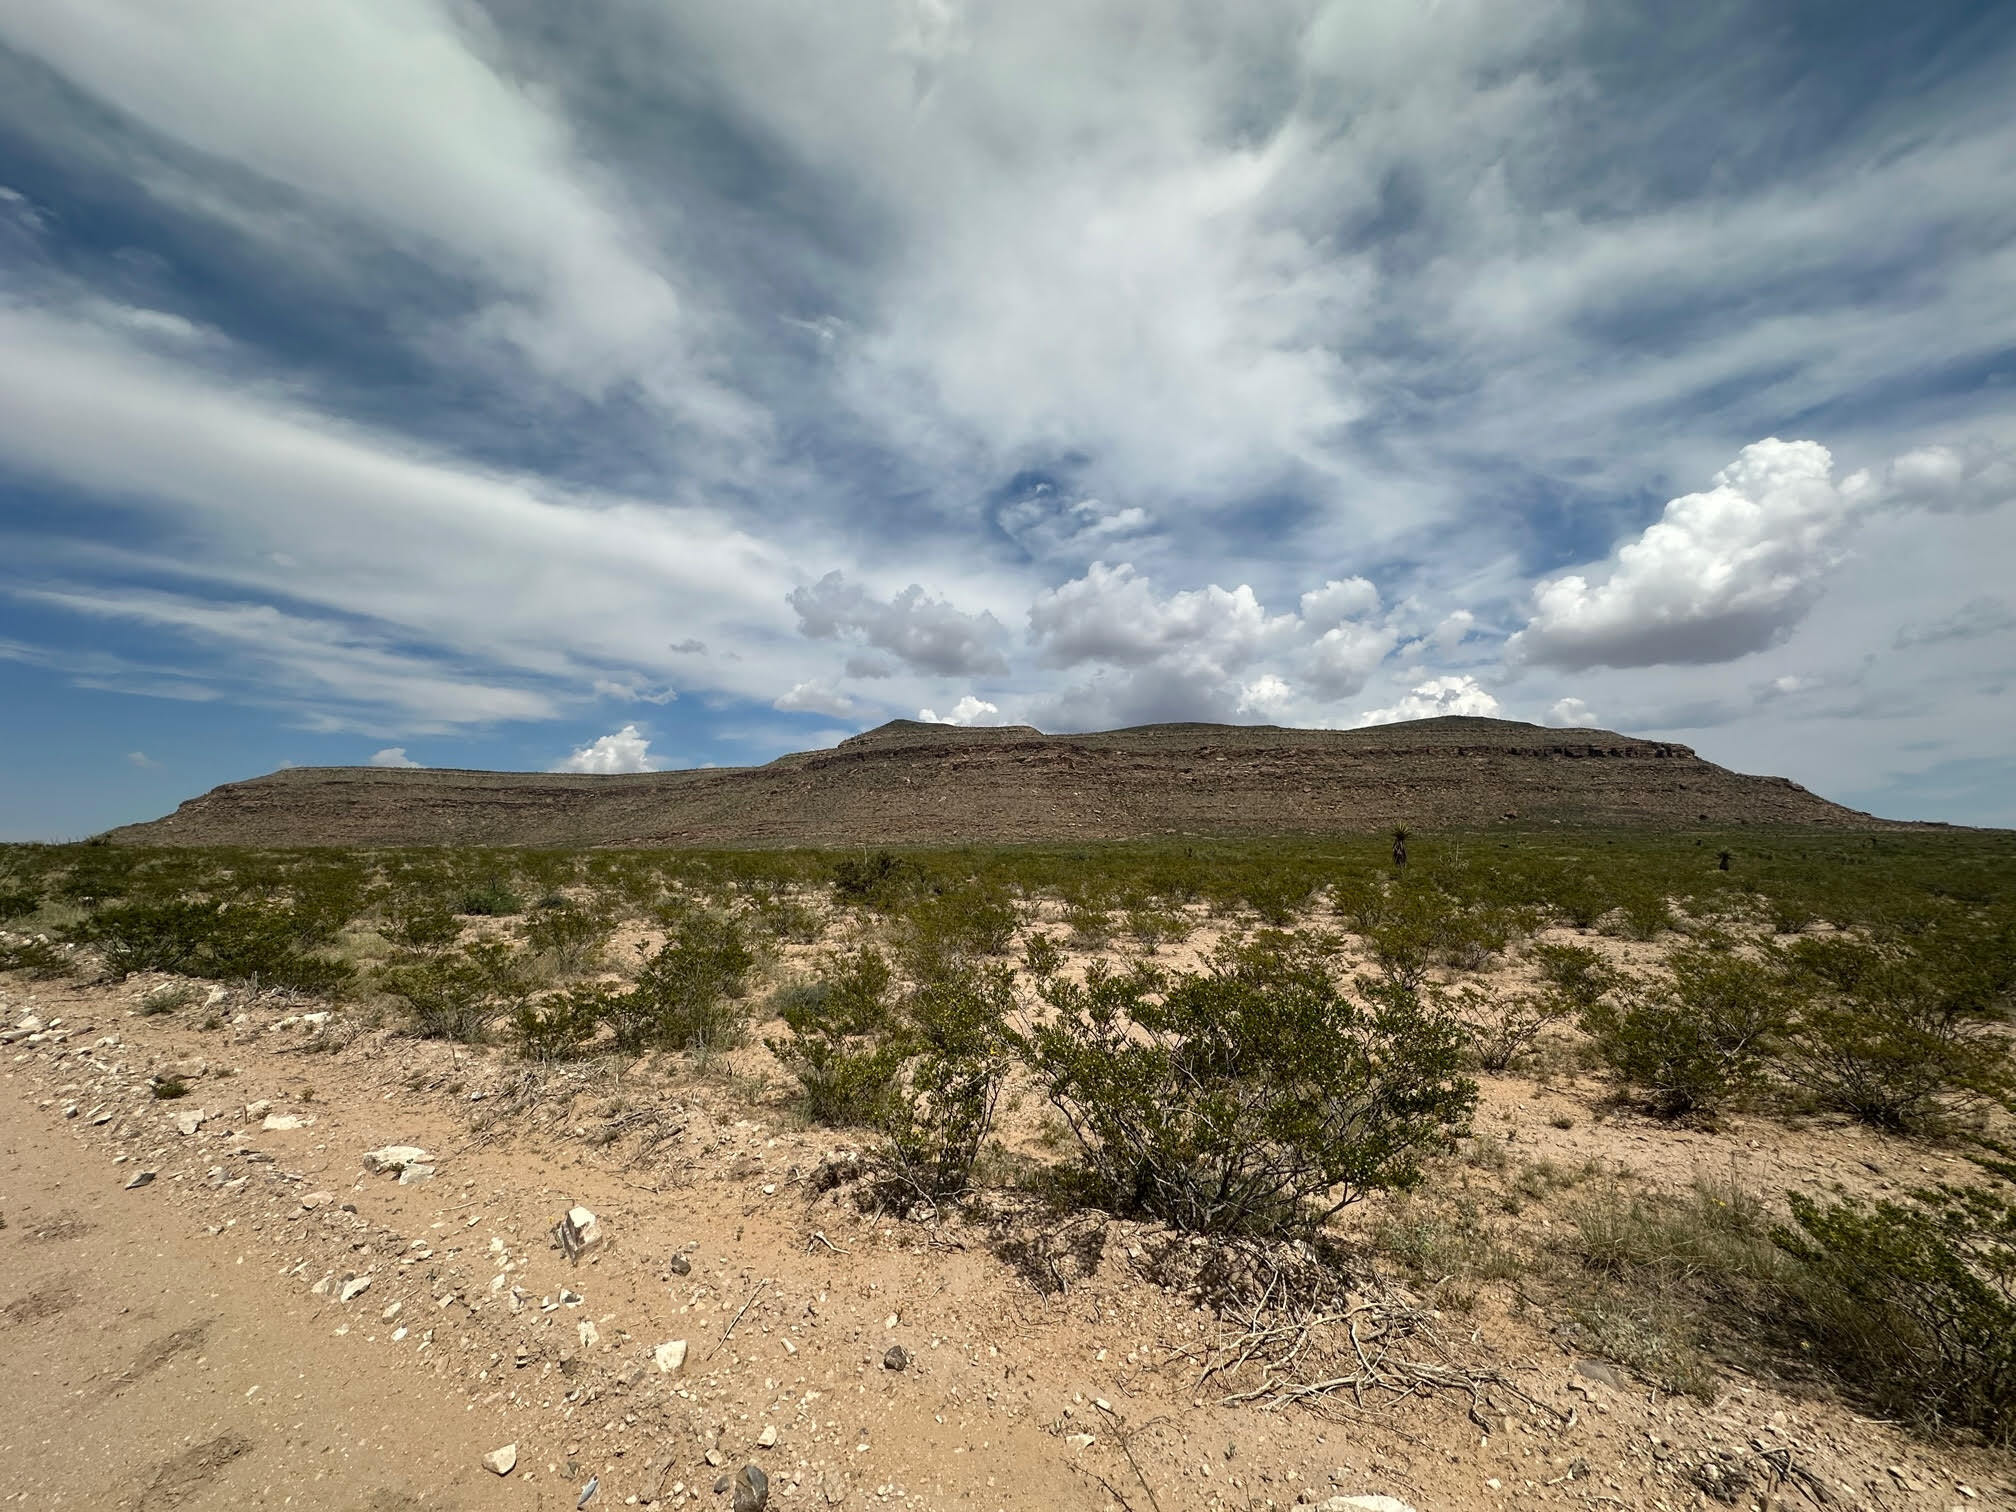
<point>422,381</point>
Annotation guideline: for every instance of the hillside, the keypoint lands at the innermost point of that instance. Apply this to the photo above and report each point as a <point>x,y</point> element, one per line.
<point>909,783</point>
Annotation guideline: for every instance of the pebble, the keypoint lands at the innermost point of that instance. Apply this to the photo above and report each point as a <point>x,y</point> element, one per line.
<point>679,1265</point>
<point>280,1123</point>
<point>414,1174</point>
<point>140,1179</point>
<point>670,1356</point>
<point>393,1158</point>
<point>578,1232</point>
<point>1364,1504</point>
<point>752,1489</point>
<point>767,1439</point>
<point>590,1334</point>
<point>355,1287</point>
<point>501,1460</point>
<point>189,1120</point>
<point>898,1358</point>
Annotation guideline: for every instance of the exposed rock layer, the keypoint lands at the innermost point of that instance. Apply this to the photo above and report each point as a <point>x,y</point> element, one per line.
<point>911,783</point>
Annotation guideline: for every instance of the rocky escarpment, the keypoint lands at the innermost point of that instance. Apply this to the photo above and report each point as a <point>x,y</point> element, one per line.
<point>908,783</point>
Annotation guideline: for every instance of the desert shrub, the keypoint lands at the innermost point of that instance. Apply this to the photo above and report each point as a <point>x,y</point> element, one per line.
<point>571,938</point>
<point>451,996</point>
<point>168,1088</point>
<point>165,936</point>
<point>687,995</point>
<point>880,881</point>
<point>1254,1096</point>
<point>960,922</point>
<point>1575,971</point>
<point>425,927</point>
<point>34,955</point>
<point>1041,957</point>
<point>1879,1036</point>
<point>843,1048</point>
<point>266,945</point>
<point>490,899</point>
<point>1089,917</point>
<point>1151,928</point>
<point>1502,1025</point>
<point>939,1112</point>
<point>561,1025</point>
<point>1690,1040</point>
<point>1913,1307</point>
<point>1639,914</point>
<point>18,903</point>
<point>167,998</point>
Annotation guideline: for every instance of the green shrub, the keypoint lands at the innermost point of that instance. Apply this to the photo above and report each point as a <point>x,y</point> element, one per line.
<point>843,1048</point>
<point>490,900</point>
<point>1913,1307</point>
<point>1252,1097</point>
<point>35,955</point>
<point>166,936</point>
<point>880,881</point>
<point>1880,1036</point>
<point>1576,972</point>
<point>1503,1025</point>
<point>450,996</point>
<point>686,995</point>
<point>561,1025</point>
<point>265,945</point>
<point>1151,928</point>
<point>16,903</point>
<point>167,998</point>
<point>425,928</point>
<point>960,922</point>
<point>1041,957</point>
<point>1689,1041</point>
<point>571,938</point>
<point>954,1037</point>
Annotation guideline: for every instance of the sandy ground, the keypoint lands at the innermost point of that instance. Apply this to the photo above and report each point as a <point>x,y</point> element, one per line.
<point>185,1343</point>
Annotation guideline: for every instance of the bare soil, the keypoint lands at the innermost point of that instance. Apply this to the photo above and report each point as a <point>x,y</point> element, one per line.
<point>183,1344</point>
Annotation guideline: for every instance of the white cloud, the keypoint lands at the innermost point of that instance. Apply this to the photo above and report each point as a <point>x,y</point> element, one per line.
<point>1572,713</point>
<point>1973,620</point>
<point>968,711</point>
<point>624,750</point>
<point>927,634</point>
<point>813,697</point>
<point>1452,630</point>
<point>141,760</point>
<point>396,757</point>
<point>1719,575</point>
<point>1344,658</point>
<point>1432,699</point>
<point>1112,614</point>
<point>1337,601</point>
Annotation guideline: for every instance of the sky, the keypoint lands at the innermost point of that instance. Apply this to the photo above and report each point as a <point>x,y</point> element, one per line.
<point>429,382</point>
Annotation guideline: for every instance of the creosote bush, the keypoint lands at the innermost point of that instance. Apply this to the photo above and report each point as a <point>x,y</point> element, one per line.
<point>843,1048</point>
<point>1253,1097</point>
<point>953,1039</point>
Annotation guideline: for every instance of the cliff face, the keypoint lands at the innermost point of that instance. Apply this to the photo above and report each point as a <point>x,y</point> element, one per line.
<point>909,783</point>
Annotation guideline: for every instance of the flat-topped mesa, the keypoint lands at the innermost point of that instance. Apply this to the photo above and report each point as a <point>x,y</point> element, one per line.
<point>907,782</point>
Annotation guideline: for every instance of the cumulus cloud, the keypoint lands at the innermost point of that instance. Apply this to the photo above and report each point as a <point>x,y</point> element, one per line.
<point>926,634</point>
<point>394,756</point>
<point>1436,697</point>
<point>1572,713</point>
<point>1112,614</point>
<point>970,710</point>
<point>141,760</point>
<point>1719,575</point>
<point>814,697</point>
<point>1948,478</point>
<point>624,750</point>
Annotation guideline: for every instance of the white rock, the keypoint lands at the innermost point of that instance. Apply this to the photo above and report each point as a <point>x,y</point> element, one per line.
<point>189,1120</point>
<point>670,1356</point>
<point>501,1460</point>
<point>355,1287</point>
<point>280,1123</point>
<point>29,1024</point>
<point>414,1174</point>
<point>767,1439</point>
<point>258,1109</point>
<point>216,996</point>
<point>313,1200</point>
<point>579,1232</point>
<point>1365,1504</point>
<point>590,1334</point>
<point>390,1313</point>
<point>316,1020</point>
<point>394,1157</point>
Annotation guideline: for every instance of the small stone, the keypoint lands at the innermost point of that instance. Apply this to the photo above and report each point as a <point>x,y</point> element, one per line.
<point>1597,1370</point>
<point>414,1174</point>
<point>578,1232</point>
<point>571,1298</point>
<point>393,1158</point>
<point>670,1356</point>
<point>752,1489</point>
<point>767,1439</point>
<point>140,1179</point>
<point>189,1120</point>
<point>215,996</point>
<point>1365,1504</point>
<point>679,1265</point>
<point>501,1460</point>
<point>355,1287</point>
<point>898,1358</point>
<point>715,1457</point>
<point>391,1312</point>
<point>588,1492</point>
<point>590,1334</point>
<point>280,1123</point>
<point>258,1109</point>
<point>1081,1440</point>
<point>314,1200</point>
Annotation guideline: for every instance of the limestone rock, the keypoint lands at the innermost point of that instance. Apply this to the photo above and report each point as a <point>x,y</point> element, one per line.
<point>501,1460</point>
<point>1365,1504</point>
<point>355,1287</point>
<point>189,1120</point>
<point>578,1232</point>
<point>281,1123</point>
<point>393,1158</point>
<point>670,1356</point>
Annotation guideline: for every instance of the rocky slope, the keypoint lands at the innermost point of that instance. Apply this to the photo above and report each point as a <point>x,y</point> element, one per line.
<point>908,783</point>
